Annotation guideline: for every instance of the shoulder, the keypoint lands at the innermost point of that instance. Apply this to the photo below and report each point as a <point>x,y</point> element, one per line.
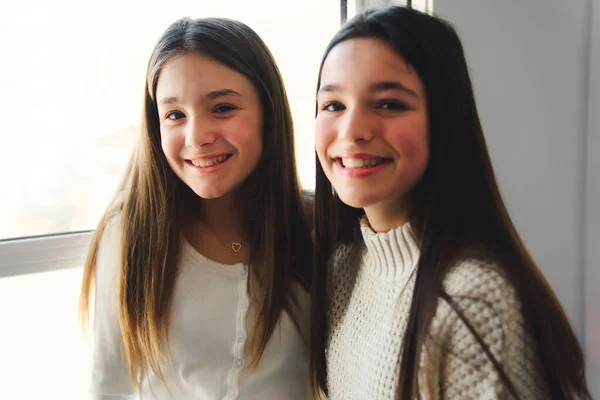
<point>110,376</point>
<point>109,250</point>
<point>480,299</point>
<point>307,198</point>
<point>308,201</point>
<point>300,307</point>
<point>345,252</point>
<point>344,260</point>
<point>110,233</point>
<point>479,292</point>
<point>478,326</point>
<point>481,281</point>
<point>342,273</point>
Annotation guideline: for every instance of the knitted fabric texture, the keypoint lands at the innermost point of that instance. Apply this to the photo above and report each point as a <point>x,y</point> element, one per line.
<point>370,289</point>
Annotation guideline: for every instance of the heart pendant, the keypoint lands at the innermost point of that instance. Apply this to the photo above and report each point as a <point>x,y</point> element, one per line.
<point>235,246</point>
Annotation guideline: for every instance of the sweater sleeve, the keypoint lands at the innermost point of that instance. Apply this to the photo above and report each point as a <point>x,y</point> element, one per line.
<point>457,364</point>
<point>110,379</point>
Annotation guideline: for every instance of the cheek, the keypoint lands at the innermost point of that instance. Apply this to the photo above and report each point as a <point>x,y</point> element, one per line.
<point>246,134</point>
<point>323,137</point>
<point>414,150</point>
<point>171,145</point>
<point>166,142</point>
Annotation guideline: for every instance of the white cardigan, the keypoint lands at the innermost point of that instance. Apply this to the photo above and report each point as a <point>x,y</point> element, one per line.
<point>208,337</point>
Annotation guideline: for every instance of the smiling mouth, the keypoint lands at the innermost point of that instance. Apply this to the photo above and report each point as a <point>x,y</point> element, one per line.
<point>356,163</point>
<point>209,162</point>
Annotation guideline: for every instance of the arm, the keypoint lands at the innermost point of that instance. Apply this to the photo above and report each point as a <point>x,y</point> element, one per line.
<point>110,379</point>
<point>479,340</point>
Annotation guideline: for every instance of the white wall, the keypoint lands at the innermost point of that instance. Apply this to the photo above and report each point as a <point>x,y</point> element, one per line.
<point>535,70</point>
<point>592,214</point>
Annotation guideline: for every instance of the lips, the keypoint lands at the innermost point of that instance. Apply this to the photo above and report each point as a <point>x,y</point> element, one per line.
<point>209,162</point>
<point>350,161</point>
<point>361,162</point>
<point>359,165</point>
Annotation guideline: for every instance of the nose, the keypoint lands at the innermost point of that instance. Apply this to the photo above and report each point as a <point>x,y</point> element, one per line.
<point>356,125</point>
<point>200,131</point>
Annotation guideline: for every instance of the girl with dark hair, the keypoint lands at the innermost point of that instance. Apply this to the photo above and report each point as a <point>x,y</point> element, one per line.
<point>422,286</point>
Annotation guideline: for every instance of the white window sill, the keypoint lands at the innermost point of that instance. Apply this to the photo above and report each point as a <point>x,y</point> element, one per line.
<point>43,254</point>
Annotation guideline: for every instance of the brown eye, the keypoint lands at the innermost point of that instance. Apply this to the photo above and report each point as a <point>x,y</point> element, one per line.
<point>332,107</point>
<point>223,108</point>
<point>392,105</point>
<point>175,115</point>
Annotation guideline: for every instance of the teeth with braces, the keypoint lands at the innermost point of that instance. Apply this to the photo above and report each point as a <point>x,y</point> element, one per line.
<point>205,163</point>
<point>361,163</point>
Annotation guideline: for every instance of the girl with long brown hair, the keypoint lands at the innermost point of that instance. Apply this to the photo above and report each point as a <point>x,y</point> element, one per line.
<point>198,272</point>
<point>422,286</point>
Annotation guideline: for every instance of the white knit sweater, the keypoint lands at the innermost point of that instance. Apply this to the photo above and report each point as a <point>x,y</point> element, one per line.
<point>370,291</point>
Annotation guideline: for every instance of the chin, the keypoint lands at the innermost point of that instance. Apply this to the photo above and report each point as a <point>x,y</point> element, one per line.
<point>209,194</point>
<point>356,200</point>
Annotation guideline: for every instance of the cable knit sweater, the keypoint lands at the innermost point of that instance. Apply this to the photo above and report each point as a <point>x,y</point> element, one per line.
<point>370,290</point>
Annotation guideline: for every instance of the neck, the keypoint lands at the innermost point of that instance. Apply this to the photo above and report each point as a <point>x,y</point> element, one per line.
<point>223,217</point>
<point>388,215</point>
<point>213,225</point>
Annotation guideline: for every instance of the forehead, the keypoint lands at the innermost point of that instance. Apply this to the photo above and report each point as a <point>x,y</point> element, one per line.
<point>194,71</point>
<point>361,61</point>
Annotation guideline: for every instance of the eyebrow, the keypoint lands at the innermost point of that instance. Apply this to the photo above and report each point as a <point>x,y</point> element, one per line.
<point>373,88</point>
<point>215,94</point>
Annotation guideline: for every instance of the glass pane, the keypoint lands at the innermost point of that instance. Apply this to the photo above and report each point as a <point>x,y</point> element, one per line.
<point>72,83</point>
<point>43,354</point>
<point>358,5</point>
<point>423,5</point>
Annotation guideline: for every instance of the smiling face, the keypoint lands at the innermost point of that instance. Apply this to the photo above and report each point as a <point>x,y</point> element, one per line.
<point>210,124</point>
<point>371,132</point>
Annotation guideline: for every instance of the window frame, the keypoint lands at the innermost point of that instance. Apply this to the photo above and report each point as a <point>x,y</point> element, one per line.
<point>45,253</point>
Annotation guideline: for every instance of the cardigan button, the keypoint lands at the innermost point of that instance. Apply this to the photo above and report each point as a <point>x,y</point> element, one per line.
<point>241,336</point>
<point>231,393</point>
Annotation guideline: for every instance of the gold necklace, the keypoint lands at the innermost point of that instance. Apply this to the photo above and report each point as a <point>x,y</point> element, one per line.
<point>233,247</point>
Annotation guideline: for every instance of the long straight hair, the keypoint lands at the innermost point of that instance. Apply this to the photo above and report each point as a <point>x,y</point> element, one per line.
<point>149,203</point>
<point>457,210</point>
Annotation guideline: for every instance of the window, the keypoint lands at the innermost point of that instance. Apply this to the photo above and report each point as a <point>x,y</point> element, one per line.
<point>72,94</point>
<point>72,84</point>
<point>43,355</point>
<point>351,7</point>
